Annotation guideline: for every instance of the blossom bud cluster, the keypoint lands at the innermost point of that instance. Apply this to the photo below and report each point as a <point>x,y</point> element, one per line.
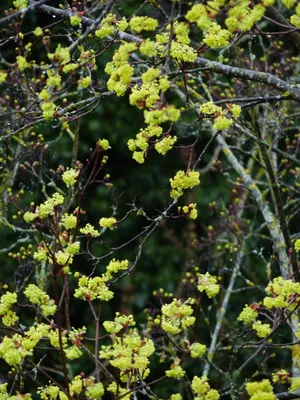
<point>221,121</point>
<point>183,181</point>
<point>97,288</point>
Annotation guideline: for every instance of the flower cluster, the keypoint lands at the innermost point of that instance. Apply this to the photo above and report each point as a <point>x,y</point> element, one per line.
<point>139,24</point>
<point>69,221</point>
<point>202,389</point>
<point>3,76</point>
<point>19,4</point>
<point>260,390</point>
<point>208,284</point>
<point>176,316</point>
<point>149,92</point>
<point>88,386</point>
<point>261,329</point>
<point>183,181</point>
<point>120,323</point>
<point>90,230</point>
<point>216,37</point>
<point>189,210</point>
<point>120,70</point>
<point>39,297</point>
<point>248,315</point>
<point>221,121</point>
<point>108,25</point>
<point>22,63</point>
<point>14,349</point>
<point>61,54</point>
<point>281,376</point>
<point>179,49</point>
<point>70,176</point>
<point>166,144</point>
<point>93,288</point>
<point>75,20</point>
<point>108,223</point>
<point>199,14</point>
<point>103,144</point>
<point>97,287</point>
<point>8,316</point>
<point>243,17</point>
<point>176,371</point>
<point>130,354</point>
<point>115,266</point>
<point>45,209</point>
<point>197,350</point>
<point>281,293</point>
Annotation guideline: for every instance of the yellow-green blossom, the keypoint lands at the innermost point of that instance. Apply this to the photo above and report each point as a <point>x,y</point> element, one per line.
<point>73,248</point>
<point>44,95</point>
<point>48,108</point>
<point>197,350</point>
<point>176,396</point>
<point>115,266</point>
<point>295,20</point>
<point>120,79</point>
<point>69,221</point>
<point>129,353</point>
<point>202,390</point>
<point>190,210</point>
<point>22,63</point>
<point>235,110</point>
<point>216,37</point>
<point>38,31</point>
<point>280,291</point>
<point>199,14</point>
<point>62,54</point>
<point>261,329</point>
<point>175,372</point>
<point>29,216</point>
<point>157,117</point>
<point>93,288</point>
<point>148,48</point>
<point>85,82</point>
<point>104,144</point>
<point>288,3</point>
<point>108,223</point>
<point>139,156</point>
<point>70,68</point>
<point>70,176</point>
<point>75,20</point>
<point>39,297</point>
<point>9,317</point>
<point>281,376</point>
<point>248,315</point>
<point>183,181</point>
<point>177,316</point>
<point>20,4</point>
<point>90,230</point>
<point>54,80</point>
<point>221,123</point>
<point>121,322</point>
<point>3,76</point>
<point>260,390</point>
<point>166,144</point>
<point>208,284</point>
<point>210,108</point>
<point>139,24</point>
<point>295,384</point>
